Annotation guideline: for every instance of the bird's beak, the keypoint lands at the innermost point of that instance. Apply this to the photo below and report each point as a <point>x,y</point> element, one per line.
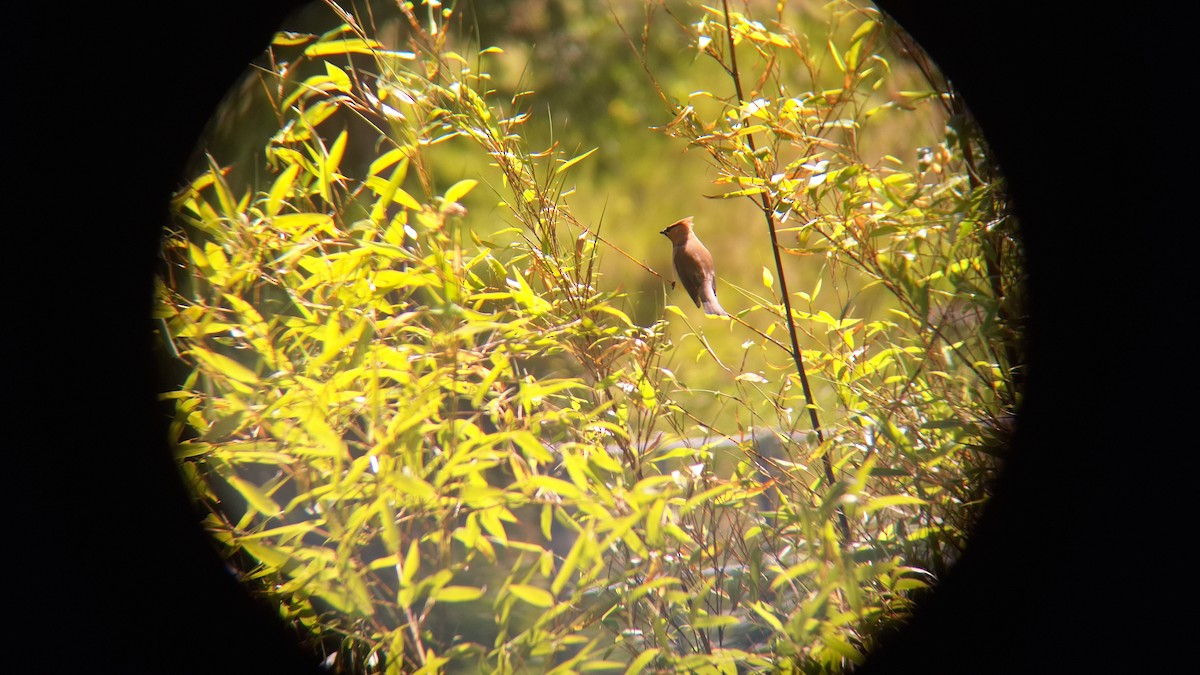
<point>662,231</point>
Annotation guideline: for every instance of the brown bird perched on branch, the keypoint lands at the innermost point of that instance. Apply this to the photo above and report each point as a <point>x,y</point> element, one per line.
<point>694,266</point>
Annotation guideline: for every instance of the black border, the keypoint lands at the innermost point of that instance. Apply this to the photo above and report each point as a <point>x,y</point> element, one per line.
<point>102,131</point>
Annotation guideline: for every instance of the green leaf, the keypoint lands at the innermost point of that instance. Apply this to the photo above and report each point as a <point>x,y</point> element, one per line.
<point>842,648</point>
<point>324,436</point>
<point>637,665</point>
<point>412,563</point>
<point>277,557</point>
<point>609,309</point>
<point>387,524</point>
<point>546,520</point>
<point>589,666</point>
<point>255,497</point>
<point>555,486</point>
<point>892,500</point>
<point>837,58</point>
<point>388,279</point>
<point>857,41</point>
<point>715,621</point>
<point>457,594</point>
<point>348,597</point>
<point>188,449</point>
<point>301,129</point>
<point>387,250</point>
<point>705,497</point>
<point>578,549</point>
<point>654,522</point>
<point>802,569</point>
<point>538,597</point>
<point>659,582</point>
<point>224,426</point>
<point>572,162</point>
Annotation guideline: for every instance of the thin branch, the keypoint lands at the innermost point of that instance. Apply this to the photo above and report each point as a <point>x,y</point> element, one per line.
<point>769,214</point>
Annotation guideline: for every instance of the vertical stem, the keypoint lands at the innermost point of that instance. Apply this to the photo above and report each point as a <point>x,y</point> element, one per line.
<point>769,214</point>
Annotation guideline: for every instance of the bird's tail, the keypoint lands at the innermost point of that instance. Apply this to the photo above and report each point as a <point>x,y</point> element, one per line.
<point>712,307</point>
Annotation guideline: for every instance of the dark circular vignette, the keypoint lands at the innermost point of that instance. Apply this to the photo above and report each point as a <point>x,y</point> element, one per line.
<point>128,582</point>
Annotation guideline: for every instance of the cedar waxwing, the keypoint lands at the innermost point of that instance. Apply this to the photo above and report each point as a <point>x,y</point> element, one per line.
<point>694,266</point>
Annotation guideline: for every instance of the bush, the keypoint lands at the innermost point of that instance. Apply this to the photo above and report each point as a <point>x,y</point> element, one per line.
<point>440,443</point>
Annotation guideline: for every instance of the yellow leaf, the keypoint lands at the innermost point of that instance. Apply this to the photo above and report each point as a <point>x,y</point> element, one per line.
<point>569,564</point>
<point>198,257</point>
<point>460,190</point>
<point>255,497</point>
<point>654,518</point>
<point>350,46</point>
<point>224,196</point>
<point>387,521</point>
<point>615,312</point>
<point>387,279</point>
<point>767,615</point>
<point>533,447</point>
<point>270,555</point>
<point>489,519</point>
<point>191,449</point>
<point>288,39</point>
<point>338,76</point>
<point>837,58</point>
<point>412,562</point>
<point>406,200</point>
<point>226,366</point>
<point>298,224</point>
<point>387,159</point>
<point>324,436</point>
<point>552,485</point>
<point>330,165</point>
<point>280,188</point>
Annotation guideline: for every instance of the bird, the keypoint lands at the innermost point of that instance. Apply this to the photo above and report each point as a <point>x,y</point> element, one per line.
<point>694,266</point>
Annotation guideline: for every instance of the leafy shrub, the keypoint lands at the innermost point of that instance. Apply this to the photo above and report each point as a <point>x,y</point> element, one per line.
<point>441,445</point>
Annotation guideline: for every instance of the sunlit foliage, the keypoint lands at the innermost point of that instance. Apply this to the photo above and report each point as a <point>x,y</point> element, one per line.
<point>420,419</point>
